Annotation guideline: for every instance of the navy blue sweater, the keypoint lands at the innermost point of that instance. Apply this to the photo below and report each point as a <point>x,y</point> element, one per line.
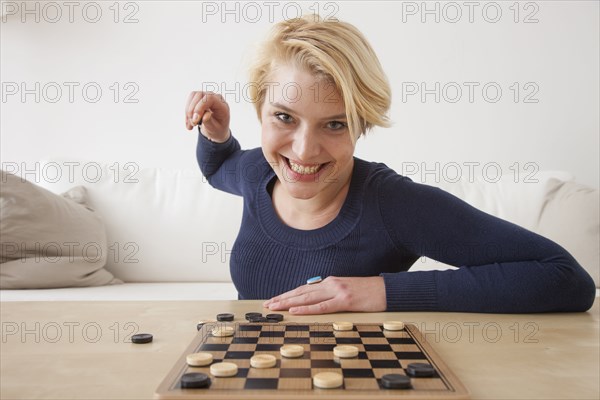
<point>386,223</point>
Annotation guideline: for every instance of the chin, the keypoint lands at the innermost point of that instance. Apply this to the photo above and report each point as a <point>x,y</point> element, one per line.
<point>300,193</point>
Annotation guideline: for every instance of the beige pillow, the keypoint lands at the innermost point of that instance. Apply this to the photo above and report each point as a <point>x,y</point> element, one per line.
<point>570,217</point>
<point>49,241</point>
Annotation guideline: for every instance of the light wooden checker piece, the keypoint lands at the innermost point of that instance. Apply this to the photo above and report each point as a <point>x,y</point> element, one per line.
<point>381,352</point>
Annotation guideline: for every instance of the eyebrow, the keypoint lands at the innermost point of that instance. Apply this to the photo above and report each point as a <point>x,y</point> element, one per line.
<point>339,116</point>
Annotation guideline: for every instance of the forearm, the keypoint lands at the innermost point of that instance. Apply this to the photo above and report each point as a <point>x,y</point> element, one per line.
<point>557,284</point>
<point>503,268</point>
<point>223,164</point>
<point>211,155</point>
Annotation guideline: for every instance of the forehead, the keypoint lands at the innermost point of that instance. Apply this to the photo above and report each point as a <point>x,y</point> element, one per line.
<point>304,93</point>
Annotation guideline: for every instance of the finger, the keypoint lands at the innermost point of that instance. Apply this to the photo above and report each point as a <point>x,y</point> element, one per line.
<point>308,298</point>
<point>192,105</point>
<point>203,107</point>
<point>297,291</point>
<point>324,307</point>
<point>279,297</point>
<point>190,102</point>
<point>188,123</point>
<point>294,292</point>
<point>325,284</point>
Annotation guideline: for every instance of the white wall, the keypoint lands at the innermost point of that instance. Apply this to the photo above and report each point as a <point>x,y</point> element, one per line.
<point>170,51</point>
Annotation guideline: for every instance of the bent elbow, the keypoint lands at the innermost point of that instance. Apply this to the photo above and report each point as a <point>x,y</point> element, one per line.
<point>587,292</point>
<point>578,291</point>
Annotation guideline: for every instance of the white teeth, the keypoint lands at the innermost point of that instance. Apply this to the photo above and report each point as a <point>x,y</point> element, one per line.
<point>304,170</point>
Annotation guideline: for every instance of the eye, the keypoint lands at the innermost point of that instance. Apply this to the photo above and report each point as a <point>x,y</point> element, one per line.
<point>340,125</point>
<point>284,120</point>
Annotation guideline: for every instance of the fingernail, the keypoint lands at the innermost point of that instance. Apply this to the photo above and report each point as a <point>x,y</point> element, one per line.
<point>195,117</point>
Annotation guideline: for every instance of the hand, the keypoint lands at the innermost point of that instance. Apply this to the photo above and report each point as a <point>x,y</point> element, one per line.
<point>214,111</point>
<point>333,294</point>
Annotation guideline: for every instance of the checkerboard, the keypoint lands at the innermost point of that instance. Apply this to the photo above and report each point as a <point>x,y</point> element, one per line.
<point>380,352</point>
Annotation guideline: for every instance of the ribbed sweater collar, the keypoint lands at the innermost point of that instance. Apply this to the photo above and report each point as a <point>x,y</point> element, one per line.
<point>313,239</point>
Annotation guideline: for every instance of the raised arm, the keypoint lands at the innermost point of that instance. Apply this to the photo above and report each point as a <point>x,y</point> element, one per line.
<point>218,153</point>
<point>503,268</point>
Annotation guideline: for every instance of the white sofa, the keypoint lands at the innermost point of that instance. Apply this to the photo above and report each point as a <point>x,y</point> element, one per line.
<point>170,233</point>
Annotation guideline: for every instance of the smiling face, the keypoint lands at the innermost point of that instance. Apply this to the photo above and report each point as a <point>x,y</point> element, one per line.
<point>305,136</point>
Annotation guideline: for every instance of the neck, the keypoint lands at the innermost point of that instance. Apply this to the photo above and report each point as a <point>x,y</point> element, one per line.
<point>323,205</point>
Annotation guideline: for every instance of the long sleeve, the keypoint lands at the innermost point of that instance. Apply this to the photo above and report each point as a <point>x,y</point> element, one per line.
<point>503,268</point>
<point>221,163</point>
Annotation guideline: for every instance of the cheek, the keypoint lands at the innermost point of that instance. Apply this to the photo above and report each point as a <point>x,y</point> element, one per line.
<point>265,136</point>
<point>341,149</point>
<point>270,140</point>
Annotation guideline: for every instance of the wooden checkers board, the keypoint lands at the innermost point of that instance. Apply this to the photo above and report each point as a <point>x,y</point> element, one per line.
<point>381,352</point>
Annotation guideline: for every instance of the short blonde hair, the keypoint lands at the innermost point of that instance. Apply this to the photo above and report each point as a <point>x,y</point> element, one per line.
<point>330,49</point>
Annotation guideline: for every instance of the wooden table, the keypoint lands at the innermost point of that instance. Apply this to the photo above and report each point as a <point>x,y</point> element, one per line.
<point>79,350</point>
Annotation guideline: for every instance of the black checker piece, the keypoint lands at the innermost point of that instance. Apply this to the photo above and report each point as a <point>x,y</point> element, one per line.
<point>141,338</point>
<point>421,370</point>
<point>250,315</point>
<point>395,381</point>
<point>275,317</point>
<point>195,380</point>
<point>225,317</point>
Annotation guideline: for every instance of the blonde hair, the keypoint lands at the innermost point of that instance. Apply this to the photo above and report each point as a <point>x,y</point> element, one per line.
<point>330,49</point>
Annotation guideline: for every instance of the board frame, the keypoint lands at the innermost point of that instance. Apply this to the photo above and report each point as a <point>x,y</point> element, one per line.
<point>168,389</point>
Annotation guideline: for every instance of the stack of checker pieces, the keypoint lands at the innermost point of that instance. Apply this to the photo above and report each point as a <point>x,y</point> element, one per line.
<point>381,352</point>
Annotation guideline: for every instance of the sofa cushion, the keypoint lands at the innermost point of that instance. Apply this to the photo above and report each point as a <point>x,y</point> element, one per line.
<point>570,216</point>
<point>550,203</point>
<point>169,225</point>
<point>49,241</point>
<point>163,225</point>
<point>518,200</point>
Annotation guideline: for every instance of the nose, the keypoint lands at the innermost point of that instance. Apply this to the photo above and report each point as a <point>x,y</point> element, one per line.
<point>306,145</point>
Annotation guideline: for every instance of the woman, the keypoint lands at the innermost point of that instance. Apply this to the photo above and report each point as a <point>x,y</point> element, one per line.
<point>312,209</point>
